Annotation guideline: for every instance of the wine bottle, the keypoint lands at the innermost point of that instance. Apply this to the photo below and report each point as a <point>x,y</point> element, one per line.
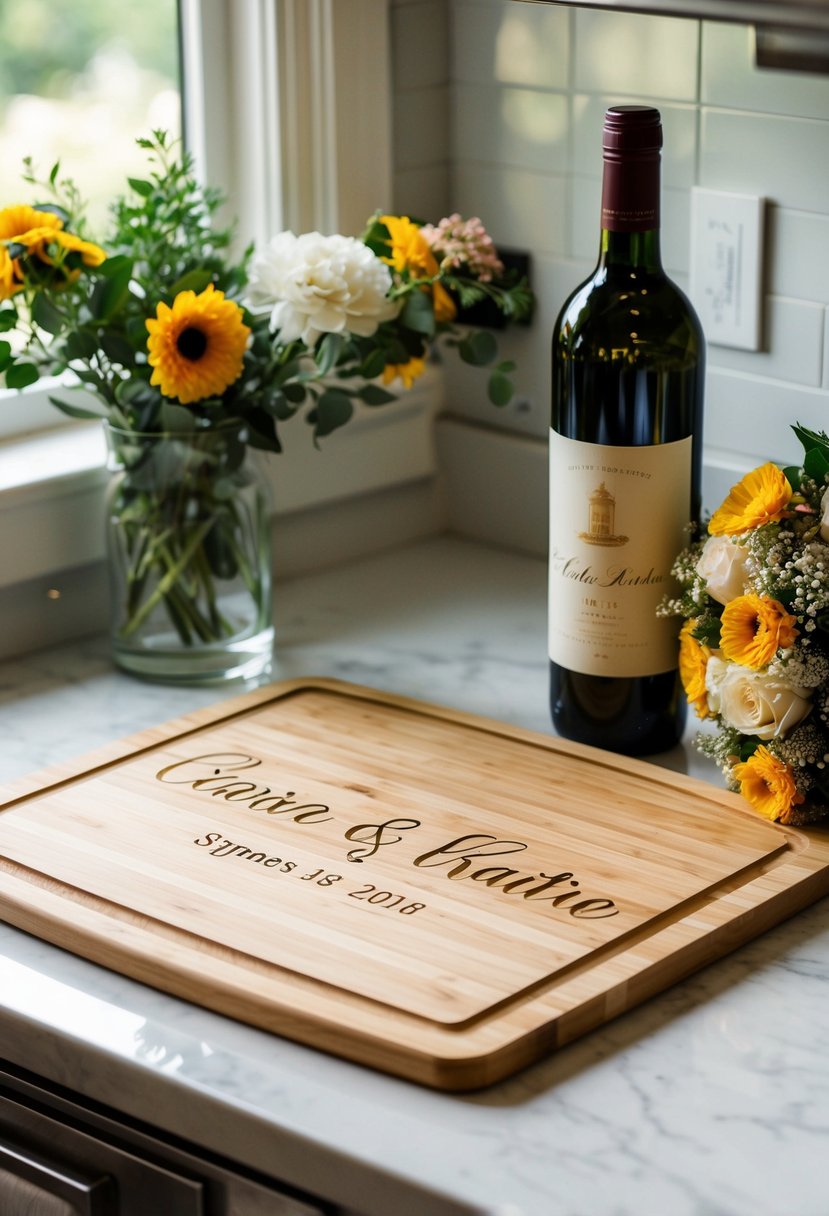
<point>625,444</point>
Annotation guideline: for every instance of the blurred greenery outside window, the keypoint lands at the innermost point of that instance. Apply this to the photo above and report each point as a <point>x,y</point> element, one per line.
<point>80,82</point>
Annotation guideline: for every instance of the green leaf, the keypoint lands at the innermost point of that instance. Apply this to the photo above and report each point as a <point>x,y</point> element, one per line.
<point>295,393</point>
<point>793,475</point>
<point>816,464</point>
<point>373,364</point>
<point>74,411</point>
<point>19,375</point>
<point>5,355</point>
<point>372,394</point>
<point>117,349</point>
<point>478,348</point>
<point>328,352</point>
<point>275,402</point>
<point>80,345</point>
<point>334,409</point>
<point>195,280</point>
<point>110,293</point>
<point>45,315</point>
<point>140,186</point>
<point>8,319</point>
<point>176,417</point>
<point>419,313</point>
<point>500,389</point>
<point>112,266</point>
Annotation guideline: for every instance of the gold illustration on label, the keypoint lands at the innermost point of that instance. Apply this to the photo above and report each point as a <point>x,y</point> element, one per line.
<point>602,515</point>
<point>618,518</point>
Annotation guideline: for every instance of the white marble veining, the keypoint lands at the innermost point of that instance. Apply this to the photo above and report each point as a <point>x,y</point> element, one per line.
<point>710,1100</point>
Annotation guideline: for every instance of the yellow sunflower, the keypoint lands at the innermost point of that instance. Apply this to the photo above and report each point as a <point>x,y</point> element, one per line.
<point>412,253</point>
<point>196,347</point>
<point>407,372</point>
<point>15,223</point>
<point>768,785</point>
<point>754,628</point>
<point>693,661</point>
<point>760,498</point>
<point>409,248</point>
<point>37,240</point>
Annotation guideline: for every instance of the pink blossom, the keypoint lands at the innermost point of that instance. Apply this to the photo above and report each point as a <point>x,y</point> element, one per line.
<point>460,243</point>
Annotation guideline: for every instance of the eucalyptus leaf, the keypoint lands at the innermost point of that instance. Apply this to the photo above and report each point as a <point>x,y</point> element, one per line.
<point>500,389</point>
<point>372,394</point>
<point>478,348</point>
<point>334,409</point>
<point>373,364</point>
<point>20,375</point>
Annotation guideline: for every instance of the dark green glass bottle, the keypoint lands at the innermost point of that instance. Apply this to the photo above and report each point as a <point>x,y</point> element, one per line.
<point>625,447</point>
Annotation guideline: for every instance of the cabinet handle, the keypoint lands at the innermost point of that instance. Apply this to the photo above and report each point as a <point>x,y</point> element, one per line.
<point>82,1194</point>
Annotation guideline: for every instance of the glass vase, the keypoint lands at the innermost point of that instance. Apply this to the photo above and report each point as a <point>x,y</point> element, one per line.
<point>188,541</point>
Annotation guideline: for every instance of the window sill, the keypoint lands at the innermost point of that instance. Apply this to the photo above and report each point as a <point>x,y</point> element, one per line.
<point>52,484</point>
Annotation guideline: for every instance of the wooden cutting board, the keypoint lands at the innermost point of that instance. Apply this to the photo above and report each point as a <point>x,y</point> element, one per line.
<point>433,894</point>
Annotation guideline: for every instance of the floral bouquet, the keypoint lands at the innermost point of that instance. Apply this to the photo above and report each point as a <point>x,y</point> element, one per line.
<point>192,357</point>
<point>754,647</point>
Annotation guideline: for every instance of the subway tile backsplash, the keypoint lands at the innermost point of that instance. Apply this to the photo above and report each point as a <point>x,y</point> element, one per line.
<point>520,90</point>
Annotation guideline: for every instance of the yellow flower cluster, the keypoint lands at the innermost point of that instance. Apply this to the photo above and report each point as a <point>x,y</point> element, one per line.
<point>412,255</point>
<point>731,680</point>
<point>43,237</point>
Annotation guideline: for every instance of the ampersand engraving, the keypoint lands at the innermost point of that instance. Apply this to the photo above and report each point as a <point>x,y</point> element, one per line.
<point>372,836</point>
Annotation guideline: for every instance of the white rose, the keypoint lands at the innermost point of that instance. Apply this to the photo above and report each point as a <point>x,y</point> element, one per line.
<point>321,284</point>
<point>824,519</point>
<point>753,702</point>
<point>722,564</point>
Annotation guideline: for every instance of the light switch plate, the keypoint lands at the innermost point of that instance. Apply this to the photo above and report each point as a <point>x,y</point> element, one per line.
<point>726,266</point>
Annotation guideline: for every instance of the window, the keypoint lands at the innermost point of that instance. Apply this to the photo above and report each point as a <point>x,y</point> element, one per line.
<point>286,108</point>
<point>79,83</point>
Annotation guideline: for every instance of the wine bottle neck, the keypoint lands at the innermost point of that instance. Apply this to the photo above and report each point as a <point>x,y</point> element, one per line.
<point>630,209</point>
<point>639,250</point>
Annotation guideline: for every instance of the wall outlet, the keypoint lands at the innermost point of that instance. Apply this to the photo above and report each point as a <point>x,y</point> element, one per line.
<point>726,266</point>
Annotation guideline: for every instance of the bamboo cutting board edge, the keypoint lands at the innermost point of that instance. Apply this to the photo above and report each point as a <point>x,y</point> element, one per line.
<point>444,1058</point>
<point>468,1056</point>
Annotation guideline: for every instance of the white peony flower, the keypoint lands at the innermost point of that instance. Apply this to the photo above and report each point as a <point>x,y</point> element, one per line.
<point>754,702</point>
<point>722,564</point>
<point>318,284</point>
<point>824,520</point>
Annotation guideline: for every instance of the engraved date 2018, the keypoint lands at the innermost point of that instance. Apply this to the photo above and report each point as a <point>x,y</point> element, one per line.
<point>220,846</point>
<point>386,899</point>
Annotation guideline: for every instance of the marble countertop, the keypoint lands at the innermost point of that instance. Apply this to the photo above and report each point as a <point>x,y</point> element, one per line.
<point>710,1100</point>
